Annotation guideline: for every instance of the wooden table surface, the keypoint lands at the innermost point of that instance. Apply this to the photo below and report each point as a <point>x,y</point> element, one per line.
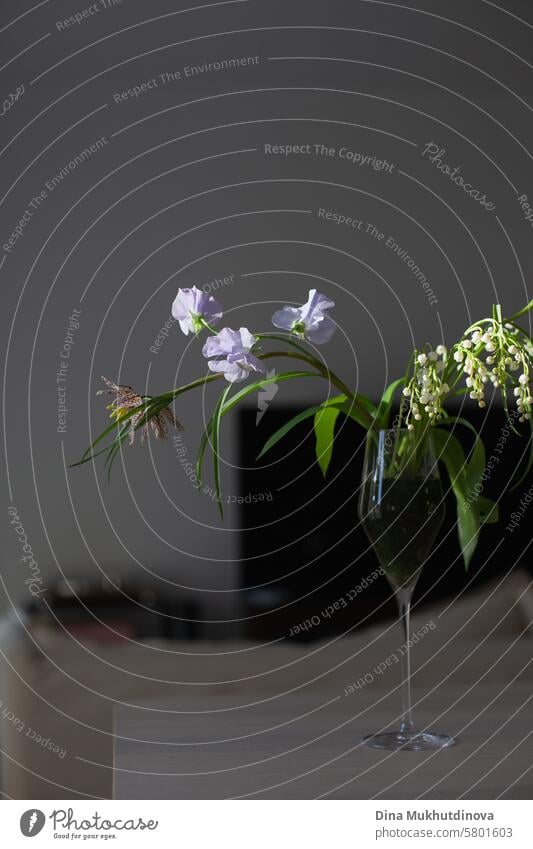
<point>305,747</point>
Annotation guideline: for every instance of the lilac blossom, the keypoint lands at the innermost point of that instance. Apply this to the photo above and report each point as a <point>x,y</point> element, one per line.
<point>232,348</point>
<point>192,308</point>
<point>309,320</point>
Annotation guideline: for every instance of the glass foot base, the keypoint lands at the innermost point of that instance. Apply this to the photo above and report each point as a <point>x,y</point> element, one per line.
<point>411,741</point>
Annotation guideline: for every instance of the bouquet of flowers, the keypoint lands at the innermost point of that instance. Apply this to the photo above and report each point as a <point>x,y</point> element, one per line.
<point>493,354</point>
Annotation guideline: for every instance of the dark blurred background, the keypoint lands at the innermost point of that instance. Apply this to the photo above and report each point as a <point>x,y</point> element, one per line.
<point>311,574</point>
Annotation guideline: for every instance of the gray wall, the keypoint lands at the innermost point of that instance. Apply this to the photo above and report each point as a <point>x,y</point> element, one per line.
<point>182,192</point>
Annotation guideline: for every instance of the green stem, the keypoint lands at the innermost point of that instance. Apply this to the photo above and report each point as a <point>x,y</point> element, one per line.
<point>173,393</point>
<point>324,370</point>
<point>287,340</point>
<point>207,326</point>
<point>521,312</point>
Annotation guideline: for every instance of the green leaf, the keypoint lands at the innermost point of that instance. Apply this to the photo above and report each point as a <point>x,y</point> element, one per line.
<point>215,442</point>
<point>361,410</point>
<point>226,406</point>
<point>489,511</point>
<point>115,448</point>
<point>300,417</point>
<point>201,450</point>
<point>92,456</point>
<point>486,509</point>
<point>385,404</point>
<point>258,384</point>
<point>450,452</point>
<point>468,530</point>
<point>475,465</point>
<point>324,426</point>
<point>88,454</point>
<point>286,428</point>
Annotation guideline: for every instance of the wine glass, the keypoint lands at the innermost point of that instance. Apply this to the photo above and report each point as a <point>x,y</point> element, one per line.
<point>401,509</point>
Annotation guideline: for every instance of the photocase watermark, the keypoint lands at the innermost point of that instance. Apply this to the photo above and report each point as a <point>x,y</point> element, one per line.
<point>75,162</point>
<point>85,14</point>
<point>165,78</point>
<point>66,824</point>
<point>227,64</point>
<point>368,228</point>
<point>65,820</point>
<point>20,228</point>
<point>527,208</point>
<point>189,469</point>
<point>389,661</point>
<point>265,396</point>
<point>32,822</point>
<point>11,100</point>
<point>34,581</point>
<point>217,283</point>
<point>435,154</point>
<point>73,325</point>
<point>50,185</point>
<point>249,498</point>
<point>402,254</point>
<point>30,733</point>
<point>492,462</point>
<point>518,514</point>
<point>346,154</point>
<point>340,604</point>
<point>163,335</point>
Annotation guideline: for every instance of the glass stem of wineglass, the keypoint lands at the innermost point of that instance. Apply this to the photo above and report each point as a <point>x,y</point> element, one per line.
<point>403,598</point>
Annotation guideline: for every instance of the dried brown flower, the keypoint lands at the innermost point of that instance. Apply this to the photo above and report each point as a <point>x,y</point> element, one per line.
<point>127,399</point>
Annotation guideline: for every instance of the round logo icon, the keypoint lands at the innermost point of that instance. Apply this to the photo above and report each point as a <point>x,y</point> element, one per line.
<point>32,822</point>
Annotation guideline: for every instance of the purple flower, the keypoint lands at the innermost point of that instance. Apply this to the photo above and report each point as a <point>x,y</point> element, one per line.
<point>233,351</point>
<point>192,307</point>
<point>308,321</point>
